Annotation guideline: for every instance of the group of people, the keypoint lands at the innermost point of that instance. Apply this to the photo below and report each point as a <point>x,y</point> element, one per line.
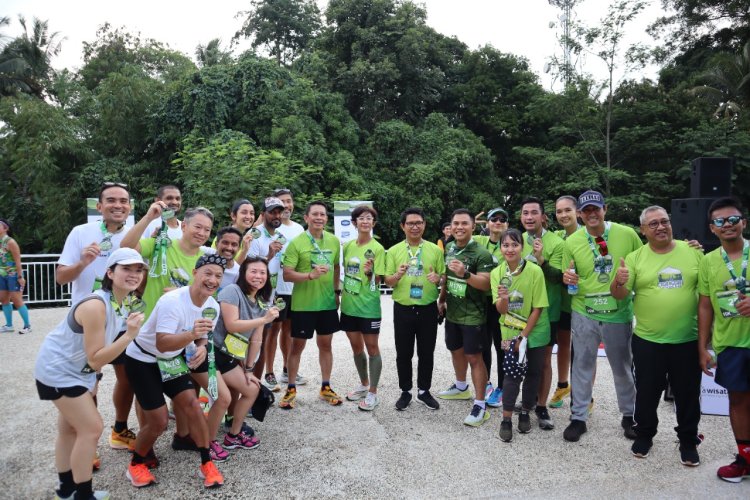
<point>172,315</point>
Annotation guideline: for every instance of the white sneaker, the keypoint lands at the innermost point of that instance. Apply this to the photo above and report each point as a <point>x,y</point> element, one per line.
<point>477,417</point>
<point>454,392</point>
<point>370,402</point>
<point>25,329</point>
<point>6,329</point>
<point>300,379</point>
<point>357,394</point>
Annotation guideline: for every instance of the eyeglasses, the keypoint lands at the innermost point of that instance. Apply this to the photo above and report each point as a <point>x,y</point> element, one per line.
<point>499,219</point>
<point>654,224</point>
<point>418,223</point>
<point>731,220</point>
<point>365,219</point>
<point>280,191</point>
<point>603,250</point>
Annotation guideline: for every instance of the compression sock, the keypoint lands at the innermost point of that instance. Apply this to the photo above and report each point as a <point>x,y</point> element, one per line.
<point>360,361</point>
<point>24,312</point>
<point>8,312</point>
<point>376,367</point>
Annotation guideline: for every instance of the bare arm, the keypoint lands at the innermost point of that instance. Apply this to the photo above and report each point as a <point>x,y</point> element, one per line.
<point>230,314</point>
<point>15,252</point>
<point>133,237</point>
<point>91,315</point>
<point>705,321</point>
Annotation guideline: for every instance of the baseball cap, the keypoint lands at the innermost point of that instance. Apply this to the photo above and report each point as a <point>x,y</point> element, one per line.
<point>125,256</point>
<point>271,203</point>
<point>496,211</point>
<point>590,198</point>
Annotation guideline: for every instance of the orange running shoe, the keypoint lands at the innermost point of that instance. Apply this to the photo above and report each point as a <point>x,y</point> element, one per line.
<point>211,476</point>
<point>97,462</point>
<point>139,475</point>
<point>124,440</point>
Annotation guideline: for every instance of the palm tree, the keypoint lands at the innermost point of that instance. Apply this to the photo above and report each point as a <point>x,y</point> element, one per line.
<point>727,84</point>
<point>13,68</point>
<point>211,54</point>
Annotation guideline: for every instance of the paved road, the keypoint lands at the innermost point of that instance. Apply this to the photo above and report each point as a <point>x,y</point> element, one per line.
<point>317,450</point>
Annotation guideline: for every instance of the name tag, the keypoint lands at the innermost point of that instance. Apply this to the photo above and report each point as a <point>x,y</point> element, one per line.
<point>235,345</point>
<point>415,291</point>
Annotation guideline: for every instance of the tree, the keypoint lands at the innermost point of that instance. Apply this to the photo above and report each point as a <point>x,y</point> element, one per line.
<point>283,27</point>
<point>727,84</point>
<point>211,54</point>
<point>13,69</point>
<point>36,48</point>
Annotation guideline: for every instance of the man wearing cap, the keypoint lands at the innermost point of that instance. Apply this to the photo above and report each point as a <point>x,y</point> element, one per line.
<point>269,246</point>
<point>83,263</point>
<point>664,276</point>
<point>591,256</point>
<point>281,328</point>
<point>156,365</point>
<point>497,222</point>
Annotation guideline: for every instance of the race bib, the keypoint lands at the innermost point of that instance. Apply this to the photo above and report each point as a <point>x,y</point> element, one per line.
<point>235,345</point>
<point>600,303</point>
<point>172,368</point>
<point>352,284</point>
<point>319,259</point>
<point>415,291</point>
<point>457,287</point>
<point>727,303</point>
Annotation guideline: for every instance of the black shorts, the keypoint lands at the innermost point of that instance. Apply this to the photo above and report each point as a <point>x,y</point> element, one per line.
<point>305,323</point>
<point>356,324</point>
<point>553,327</point>
<point>119,360</point>
<point>733,369</point>
<point>224,363</point>
<point>471,338</point>
<point>284,313</point>
<point>47,393</point>
<point>145,379</point>
<point>564,322</point>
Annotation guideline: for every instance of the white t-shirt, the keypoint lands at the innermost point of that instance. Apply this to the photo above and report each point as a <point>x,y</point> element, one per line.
<point>79,238</point>
<point>290,232</point>
<point>174,313</point>
<point>174,233</point>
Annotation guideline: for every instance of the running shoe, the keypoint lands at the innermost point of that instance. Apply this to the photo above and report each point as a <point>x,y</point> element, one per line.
<point>506,431</point>
<point>495,399</point>
<point>240,441</point>
<point>734,472</point>
<point>328,394</point>
<point>218,454</point>
<point>289,400</point>
<point>574,431</point>
<point>6,329</point>
<point>488,389</point>
<point>524,422</point>
<point>543,418</point>
<point>96,464</point>
<point>370,402</point>
<point>299,379</point>
<point>627,424</point>
<point>211,476</point>
<point>558,396</point>
<point>271,383</point>
<point>183,443</point>
<point>403,401</point>
<point>25,330</point>
<point>357,394</point>
<point>641,447</point>
<point>477,417</point>
<point>689,455</point>
<point>139,475</point>
<point>98,495</point>
<point>454,392</point>
<point>124,440</point>
<point>426,399</point>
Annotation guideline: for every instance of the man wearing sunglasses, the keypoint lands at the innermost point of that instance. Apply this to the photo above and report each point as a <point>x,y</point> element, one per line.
<point>664,276</point>
<point>597,316</point>
<point>723,304</point>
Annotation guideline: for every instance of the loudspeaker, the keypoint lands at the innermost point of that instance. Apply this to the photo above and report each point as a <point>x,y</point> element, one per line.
<point>690,221</point>
<point>711,177</point>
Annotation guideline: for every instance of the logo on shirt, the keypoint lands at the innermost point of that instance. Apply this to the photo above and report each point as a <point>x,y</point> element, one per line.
<point>515,301</point>
<point>669,277</point>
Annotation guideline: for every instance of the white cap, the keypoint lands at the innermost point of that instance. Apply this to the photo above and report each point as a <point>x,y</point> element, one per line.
<point>125,256</point>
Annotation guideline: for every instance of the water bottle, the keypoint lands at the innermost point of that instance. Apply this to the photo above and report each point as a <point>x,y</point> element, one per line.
<point>190,351</point>
<point>572,289</point>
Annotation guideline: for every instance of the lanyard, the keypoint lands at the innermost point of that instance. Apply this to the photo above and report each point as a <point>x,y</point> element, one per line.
<point>315,245</point>
<point>106,243</point>
<point>565,233</point>
<point>454,247</point>
<point>593,246</point>
<point>268,235</point>
<point>741,283</point>
<point>160,253</point>
<point>496,247</point>
<point>417,256</point>
<point>518,270</point>
<point>117,307</point>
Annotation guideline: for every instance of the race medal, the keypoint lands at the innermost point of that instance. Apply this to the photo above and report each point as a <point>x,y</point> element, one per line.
<point>369,254</point>
<point>318,258</point>
<point>167,214</point>
<point>235,345</point>
<point>727,301</point>
<point>173,368</point>
<point>281,239</point>
<point>740,284</point>
<point>600,303</point>
<point>179,277</point>
<point>602,277</point>
<point>213,383</point>
<point>506,281</point>
<point>279,303</point>
<point>457,287</point>
<point>255,233</point>
<point>134,304</point>
<point>531,258</point>
<point>415,291</point>
<point>105,245</point>
<point>352,284</point>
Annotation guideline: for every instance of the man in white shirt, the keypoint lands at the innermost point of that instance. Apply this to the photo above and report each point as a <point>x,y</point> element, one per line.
<point>172,197</point>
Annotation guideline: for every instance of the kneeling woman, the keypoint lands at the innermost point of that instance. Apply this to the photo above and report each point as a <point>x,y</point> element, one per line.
<point>520,297</point>
<point>69,358</point>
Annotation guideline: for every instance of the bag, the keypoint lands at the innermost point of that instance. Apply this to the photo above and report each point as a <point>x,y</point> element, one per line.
<point>263,403</point>
<point>511,367</point>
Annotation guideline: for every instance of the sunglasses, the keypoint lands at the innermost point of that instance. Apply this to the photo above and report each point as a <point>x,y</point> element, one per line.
<point>731,220</point>
<point>280,191</point>
<point>499,219</point>
<point>109,184</point>
<point>603,250</point>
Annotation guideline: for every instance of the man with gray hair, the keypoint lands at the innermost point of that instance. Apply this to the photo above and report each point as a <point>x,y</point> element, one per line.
<point>664,276</point>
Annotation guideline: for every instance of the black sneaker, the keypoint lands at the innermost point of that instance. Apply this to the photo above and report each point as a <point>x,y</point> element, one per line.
<point>574,431</point>
<point>426,399</point>
<point>627,424</point>
<point>689,455</point>
<point>404,401</point>
<point>542,416</point>
<point>524,422</point>
<point>506,431</point>
<point>245,429</point>
<point>186,443</point>
<point>641,447</point>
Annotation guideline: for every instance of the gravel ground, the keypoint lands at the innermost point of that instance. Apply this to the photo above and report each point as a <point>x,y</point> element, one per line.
<point>322,451</point>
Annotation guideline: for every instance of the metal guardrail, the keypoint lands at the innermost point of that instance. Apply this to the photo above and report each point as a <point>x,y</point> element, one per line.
<point>41,287</point>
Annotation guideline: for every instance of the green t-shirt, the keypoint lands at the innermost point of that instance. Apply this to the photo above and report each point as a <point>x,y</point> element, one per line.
<point>566,298</point>
<point>713,279</point>
<point>666,300</point>
<point>361,295</point>
<point>179,271</point>
<point>414,289</point>
<point>552,253</point>
<point>465,304</point>
<point>493,248</point>
<point>621,240</point>
<point>526,291</point>
<point>300,255</point>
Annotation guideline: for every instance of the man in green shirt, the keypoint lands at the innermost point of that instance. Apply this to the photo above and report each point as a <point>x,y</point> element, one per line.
<point>545,249</point>
<point>724,305</point>
<point>596,315</point>
<point>462,301</point>
<point>413,269</point>
<point>311,262</point>
<point>664,277</point>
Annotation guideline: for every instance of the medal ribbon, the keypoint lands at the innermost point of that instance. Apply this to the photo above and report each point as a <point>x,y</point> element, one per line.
<point>316,247</point>
<point>107,235</point>
<point>160,253</point>
<point>594,247</point>
<point>745,254</point>
<point>417,256</point>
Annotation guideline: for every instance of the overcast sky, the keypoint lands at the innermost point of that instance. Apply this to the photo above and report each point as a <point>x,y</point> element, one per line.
<point>519,27</point>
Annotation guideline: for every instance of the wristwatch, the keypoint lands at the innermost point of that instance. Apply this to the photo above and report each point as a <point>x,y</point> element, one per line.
<point>467,274</point>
